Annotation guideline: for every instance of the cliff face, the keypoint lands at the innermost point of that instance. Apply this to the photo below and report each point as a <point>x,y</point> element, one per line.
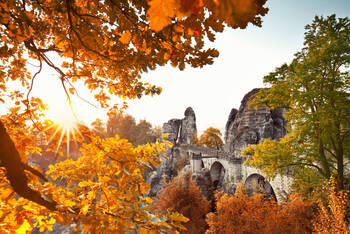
<point>179,131</point>
<point>188,127</point>
<point>250,126</point>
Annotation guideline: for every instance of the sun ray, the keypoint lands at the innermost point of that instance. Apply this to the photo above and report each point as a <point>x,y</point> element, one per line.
<point>78,131</point>
<point>54,134</point>
<point>68,128</point>
<point>67,136</point>
<point>59,143</point>
<point>74,138</point>
<point>49,127</point>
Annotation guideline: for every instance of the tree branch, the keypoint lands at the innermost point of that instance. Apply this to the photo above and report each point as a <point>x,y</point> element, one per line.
<point>11,160</point>
<point>307,164</point>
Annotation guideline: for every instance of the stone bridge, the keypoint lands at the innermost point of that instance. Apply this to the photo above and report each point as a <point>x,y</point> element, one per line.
<point>226,171</point>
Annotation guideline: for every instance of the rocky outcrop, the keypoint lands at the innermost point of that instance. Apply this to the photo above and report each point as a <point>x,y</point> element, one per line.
<point>231,118</point>
<point>172,128</point>
<point>204,183</point>
<point>257,184</point>
<point>179,131</point>
<point>244,126</point>
<point>251,126</point>
<point>188,127</point>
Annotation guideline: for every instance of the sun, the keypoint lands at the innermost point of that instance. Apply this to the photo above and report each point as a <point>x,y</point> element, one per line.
<point>66,125</point>
<point>62,117</point>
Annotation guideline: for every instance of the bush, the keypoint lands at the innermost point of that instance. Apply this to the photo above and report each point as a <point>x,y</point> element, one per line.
<point>331,218</point>
<point>180,163</point>
<point>242,214</point>
<point>183,195</point>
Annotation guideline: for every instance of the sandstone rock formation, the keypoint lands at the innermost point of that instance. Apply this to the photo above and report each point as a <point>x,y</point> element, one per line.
<point>180,131</point>
<point>203,181</point>
<point>251,126</point>
<point>188,127</point>
<point>244,126</point>
<point>172,128</point>
<point>231,118</point>
<point>257,184</point>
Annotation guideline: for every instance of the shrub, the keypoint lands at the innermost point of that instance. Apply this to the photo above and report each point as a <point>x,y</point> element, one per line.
<point>183,196</point>
<point>242,214</point>
<point>331,218</point>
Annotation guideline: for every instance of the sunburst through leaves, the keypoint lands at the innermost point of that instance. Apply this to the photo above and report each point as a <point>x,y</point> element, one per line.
<point>63,131</point>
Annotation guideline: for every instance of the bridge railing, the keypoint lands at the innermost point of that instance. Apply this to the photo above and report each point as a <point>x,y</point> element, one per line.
<point>210,153</point>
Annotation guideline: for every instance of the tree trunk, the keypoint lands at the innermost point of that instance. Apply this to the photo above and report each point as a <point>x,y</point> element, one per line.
<point>340,166</point>
<point>11,160</point>
<point>324,161</point>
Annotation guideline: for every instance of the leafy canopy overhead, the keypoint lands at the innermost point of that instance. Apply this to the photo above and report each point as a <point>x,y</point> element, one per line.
<point>107,44</point>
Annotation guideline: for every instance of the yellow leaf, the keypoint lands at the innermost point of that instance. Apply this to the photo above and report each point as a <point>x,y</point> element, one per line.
<point>85,209</point>
<point>24,227</point>
<point>125,37</point>
<point>51,221</point>
<point>83,183</point>
<point>69,203</point>
<point>166,225</point>
<point>105,179</point>
<point>178,217</point>
<point>149,200</point>
<point>178,225</point>
<point>90,195</point>
<point>5,193</point>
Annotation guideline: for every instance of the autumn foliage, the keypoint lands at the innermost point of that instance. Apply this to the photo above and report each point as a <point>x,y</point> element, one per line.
<point>125,126</point>
<point>104,46</point>
<point>331,217</point>
<point>107,44</point>
<point>103,189</point>
<point>183,195</point>
<point>242,214</point>
<point>211,138</point>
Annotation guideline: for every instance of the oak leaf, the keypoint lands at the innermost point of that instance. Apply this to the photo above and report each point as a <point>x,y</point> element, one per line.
<point>125,37</point>
<point>160,13</point>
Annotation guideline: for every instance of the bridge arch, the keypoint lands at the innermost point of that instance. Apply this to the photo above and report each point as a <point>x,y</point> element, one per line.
<point>256,183</point>
<point>217,174</point>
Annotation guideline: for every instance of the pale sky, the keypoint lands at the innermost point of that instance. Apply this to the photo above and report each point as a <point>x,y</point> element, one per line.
<point>245,57</point>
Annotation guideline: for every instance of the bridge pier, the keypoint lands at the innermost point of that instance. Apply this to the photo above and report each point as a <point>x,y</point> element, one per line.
<point>197,162</point>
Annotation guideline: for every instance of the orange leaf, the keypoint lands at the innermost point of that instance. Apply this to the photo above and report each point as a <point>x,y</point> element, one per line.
<point>160,13</point>
<point>125,37</point>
